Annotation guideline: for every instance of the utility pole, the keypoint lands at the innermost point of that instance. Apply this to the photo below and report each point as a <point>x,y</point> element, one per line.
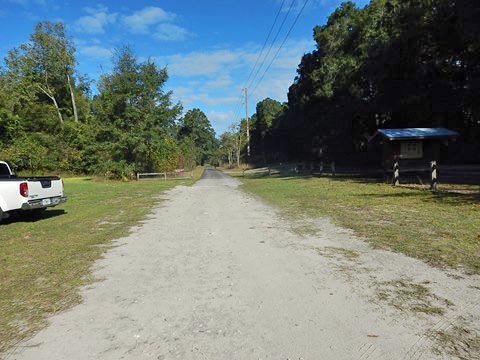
<point>248,127</point>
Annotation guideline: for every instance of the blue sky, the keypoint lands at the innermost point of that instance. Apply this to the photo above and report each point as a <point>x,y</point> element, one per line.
<point>209,46</point>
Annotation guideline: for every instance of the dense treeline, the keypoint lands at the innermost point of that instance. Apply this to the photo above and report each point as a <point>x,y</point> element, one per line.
<point>49,120</point>
<point>392,64</point>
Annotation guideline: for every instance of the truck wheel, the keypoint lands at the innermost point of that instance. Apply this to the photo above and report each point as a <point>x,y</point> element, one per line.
<point>3,215</point>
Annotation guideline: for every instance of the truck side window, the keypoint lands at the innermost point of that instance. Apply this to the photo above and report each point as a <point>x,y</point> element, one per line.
<point>4,170</point>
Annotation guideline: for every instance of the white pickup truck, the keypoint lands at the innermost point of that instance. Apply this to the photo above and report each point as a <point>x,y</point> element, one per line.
<point>27,193</point>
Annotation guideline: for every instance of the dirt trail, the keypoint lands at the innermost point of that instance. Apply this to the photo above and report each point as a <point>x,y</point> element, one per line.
<point>216,274</point>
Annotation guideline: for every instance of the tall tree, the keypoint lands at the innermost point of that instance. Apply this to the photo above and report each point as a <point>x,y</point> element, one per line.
<point>130,125</point>
<point>46,64</point>
<point>393,63</point>
<point>196,127</point>
<point>137,115</point>
<point>227,147</point>
<point>268,111</point>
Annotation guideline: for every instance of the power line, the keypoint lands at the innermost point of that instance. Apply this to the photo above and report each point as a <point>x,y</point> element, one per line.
<point>246,119</point>
<point>238,108</point>
<point>281,46</point>
<point>265,43</point>
<point>273,43</point>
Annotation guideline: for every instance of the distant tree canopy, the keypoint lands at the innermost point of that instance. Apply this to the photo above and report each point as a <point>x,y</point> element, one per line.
<point>137,118</point>
<point>50,122</point>
<point>394,63</point>
<point>232,144</point>
<point>196,132</point>
<point>265,123</point>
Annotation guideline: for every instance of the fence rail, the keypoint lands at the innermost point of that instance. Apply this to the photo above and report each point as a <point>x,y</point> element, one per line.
<point>425,174</point>
<point>168,175</point>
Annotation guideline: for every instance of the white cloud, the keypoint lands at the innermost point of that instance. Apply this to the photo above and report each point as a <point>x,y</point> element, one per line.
<point>220,82</point>
<point>227,61</point>
<point>35,9</point>
<point>189,96</point>
<point>221,116</point>
<point>221,120</point>
<point>312,4</point>
<point>92,10</point>
<point>150,20</point>
<point>200,63</point>
<point>209,100</point>
<point>170,32</point>
<point>140,21</point>
<point>96,21</point>
<point>275,86</point>
<point>212,79</point>
<point>96,52</point>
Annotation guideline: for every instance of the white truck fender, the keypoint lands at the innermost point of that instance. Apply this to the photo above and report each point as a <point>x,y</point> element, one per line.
<point>3,207</point>
<point>3,204</point>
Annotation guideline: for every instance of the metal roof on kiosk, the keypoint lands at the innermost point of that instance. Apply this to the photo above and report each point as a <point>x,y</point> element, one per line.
<point>417,133</point>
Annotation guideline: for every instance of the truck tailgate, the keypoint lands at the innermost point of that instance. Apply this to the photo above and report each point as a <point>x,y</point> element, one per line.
<point>41,188</point>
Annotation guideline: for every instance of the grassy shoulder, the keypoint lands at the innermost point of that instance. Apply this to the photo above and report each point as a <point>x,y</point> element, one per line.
<point>44,260</point>
<point>441,229</point>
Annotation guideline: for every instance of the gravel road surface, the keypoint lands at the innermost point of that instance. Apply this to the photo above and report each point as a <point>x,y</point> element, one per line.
<point>215,273</point>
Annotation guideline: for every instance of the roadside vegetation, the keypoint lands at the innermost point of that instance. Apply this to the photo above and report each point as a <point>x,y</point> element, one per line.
<point>439,228</point>
<point>52,121</point>
<point>44,260</point>
<point>389,64</point>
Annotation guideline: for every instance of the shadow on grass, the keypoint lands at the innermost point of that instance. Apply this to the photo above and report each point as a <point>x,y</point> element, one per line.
<point>428,196</point>
<point>32,217</point>
<point>338,177</point>
<point>456,198</point>
<point>424,194</point>
<point>285,177</point>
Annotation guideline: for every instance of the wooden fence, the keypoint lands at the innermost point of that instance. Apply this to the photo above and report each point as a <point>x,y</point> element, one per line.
<point>172,175</point>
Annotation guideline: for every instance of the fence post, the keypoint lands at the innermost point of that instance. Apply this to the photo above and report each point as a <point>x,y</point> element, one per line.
<point>321,167</point>
<point>138,176</point>
<point>165,175</point>
<point>433,168</point>
<point>269,171</point>
<point>396,174</point>
<point>333,168</point>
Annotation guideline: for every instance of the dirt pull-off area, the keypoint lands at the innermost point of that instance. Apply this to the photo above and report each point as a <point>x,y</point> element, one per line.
<point>216,274</point>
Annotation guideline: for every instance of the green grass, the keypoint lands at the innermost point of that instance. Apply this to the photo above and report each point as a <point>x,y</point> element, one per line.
<point>457,341</point>
<point>406,295</point>
<point>44,260</point>
<point>442,229</point>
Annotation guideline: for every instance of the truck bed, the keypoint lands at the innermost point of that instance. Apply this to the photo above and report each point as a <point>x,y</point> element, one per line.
<point>32,178</point>
<point>41,192</point>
